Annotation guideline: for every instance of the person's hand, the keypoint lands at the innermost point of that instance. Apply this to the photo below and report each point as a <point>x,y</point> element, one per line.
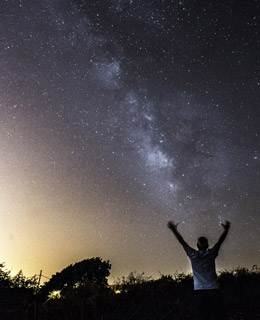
<point>226,225</point>
<point>172,225</point>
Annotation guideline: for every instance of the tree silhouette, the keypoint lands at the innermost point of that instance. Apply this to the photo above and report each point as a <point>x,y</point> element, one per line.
<point>78,274</point>
<point>5,278</point>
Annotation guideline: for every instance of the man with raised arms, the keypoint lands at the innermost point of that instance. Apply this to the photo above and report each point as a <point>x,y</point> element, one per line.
<point>209,301</point>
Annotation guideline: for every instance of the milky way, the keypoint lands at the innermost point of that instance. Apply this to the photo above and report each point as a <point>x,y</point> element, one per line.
<point>117,116</point>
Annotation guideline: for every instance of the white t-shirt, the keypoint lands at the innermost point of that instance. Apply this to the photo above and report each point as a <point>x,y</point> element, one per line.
<point>204,268</point>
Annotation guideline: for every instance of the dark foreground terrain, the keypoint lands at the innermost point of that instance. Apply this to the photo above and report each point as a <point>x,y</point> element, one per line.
<point>80,291</point>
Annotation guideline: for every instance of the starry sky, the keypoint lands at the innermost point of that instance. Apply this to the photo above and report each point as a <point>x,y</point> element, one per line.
<point>117,116</point>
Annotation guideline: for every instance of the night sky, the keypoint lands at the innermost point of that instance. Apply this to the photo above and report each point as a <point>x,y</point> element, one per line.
<point>117,116</point>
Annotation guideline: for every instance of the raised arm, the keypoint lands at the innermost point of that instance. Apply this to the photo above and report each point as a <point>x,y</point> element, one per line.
<point>221,239</point>
<point>173,227</point>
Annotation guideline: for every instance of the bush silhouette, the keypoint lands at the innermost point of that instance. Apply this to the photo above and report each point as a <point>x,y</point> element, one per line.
<point>77,275</point>
<point>85,294</point>
<point>17,294</point>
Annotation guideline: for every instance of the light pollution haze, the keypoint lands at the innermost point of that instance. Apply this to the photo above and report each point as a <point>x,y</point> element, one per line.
<point>118,116</point>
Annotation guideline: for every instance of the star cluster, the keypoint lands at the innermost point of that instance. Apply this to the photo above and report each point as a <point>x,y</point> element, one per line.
<point>118,115</point>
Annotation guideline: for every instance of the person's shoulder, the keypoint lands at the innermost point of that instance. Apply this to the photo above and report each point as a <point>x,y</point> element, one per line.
<point>190,252</point>
<point>214,250</point>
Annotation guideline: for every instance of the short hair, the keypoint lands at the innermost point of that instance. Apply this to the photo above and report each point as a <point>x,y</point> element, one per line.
<point>202,243</point>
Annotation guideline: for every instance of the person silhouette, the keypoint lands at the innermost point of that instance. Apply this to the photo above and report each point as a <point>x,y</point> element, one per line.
<point>209,301</point>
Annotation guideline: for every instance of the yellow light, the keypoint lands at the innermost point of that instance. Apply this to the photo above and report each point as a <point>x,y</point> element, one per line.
<point>55,294</point>
<point>117,291</point>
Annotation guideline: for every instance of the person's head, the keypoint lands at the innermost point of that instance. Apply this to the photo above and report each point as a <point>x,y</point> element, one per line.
<point>202,243</point>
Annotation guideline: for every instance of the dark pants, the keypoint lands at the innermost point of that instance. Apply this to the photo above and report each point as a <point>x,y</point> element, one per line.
<point>209,305</point>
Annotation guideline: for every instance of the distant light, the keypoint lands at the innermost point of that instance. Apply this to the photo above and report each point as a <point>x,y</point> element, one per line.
<point>55,294</point>
<point>117,291</point>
